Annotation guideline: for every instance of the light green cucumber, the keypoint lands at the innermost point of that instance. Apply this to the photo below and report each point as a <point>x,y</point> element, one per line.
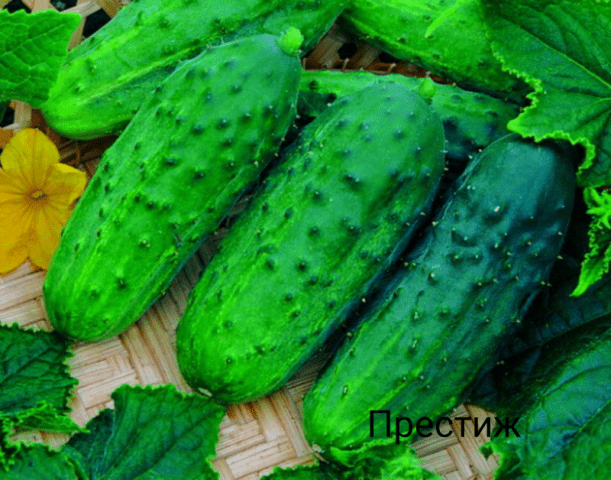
<point>105,79</point>
<point>168,181</point>
<point>318,235</point>
<point>447,37</point>
<point>471,121</point>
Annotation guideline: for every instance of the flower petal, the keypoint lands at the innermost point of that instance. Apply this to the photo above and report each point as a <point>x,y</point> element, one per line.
<point>64,184</point>
<point>11,259</point>
<point>11,189</point>
<point>28,156</point>
<point>11,185</point>
<point>48,224</point>
<point>15,237</point>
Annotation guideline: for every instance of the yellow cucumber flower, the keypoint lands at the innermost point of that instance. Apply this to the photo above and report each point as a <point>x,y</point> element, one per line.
<point>36,196</point>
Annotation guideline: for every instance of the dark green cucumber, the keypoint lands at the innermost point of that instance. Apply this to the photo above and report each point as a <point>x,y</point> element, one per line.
<point>438,321</point>
<point>447,37</point>
<point>168,181</point>
<point>564,411</point>
<point>105,79</point>
<point>471,121</point>
<point>331,218</point>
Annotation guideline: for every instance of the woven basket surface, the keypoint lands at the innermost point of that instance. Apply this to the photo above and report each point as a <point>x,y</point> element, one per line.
<point>256,436</point>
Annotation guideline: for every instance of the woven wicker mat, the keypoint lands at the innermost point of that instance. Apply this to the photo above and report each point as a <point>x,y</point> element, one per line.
<point>256,436</point>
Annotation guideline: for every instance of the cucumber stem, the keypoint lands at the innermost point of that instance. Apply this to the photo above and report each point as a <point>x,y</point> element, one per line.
<point>290,41</point>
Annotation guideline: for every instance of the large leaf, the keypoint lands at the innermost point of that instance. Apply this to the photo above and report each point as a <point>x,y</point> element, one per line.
<point>153,433</point>
<point>404,466</point>
<point>565,433</point>
<point>317,471</point>
<point>35,385</point>
<point>38,462</point>
<point>32,49</point>
<point>560,47</point>
<point>32,372</point>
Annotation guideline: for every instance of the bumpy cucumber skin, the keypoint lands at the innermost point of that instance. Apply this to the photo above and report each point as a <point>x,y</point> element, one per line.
<point>105,79</point>
<point>167,182</point>
<point>471,121</point>
<point>422,342</point>
<point>446,37</point>
<point>336,212</point>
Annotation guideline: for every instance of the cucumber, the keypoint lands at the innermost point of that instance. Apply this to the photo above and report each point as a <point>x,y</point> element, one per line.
<point>471,121</point>
<point>447,37</point>
<point>105,79</point>
<point>348,196</point>
<point>168,181</point>
<point>437,322</point>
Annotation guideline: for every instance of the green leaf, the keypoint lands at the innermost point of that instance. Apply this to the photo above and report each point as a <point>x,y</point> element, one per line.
<point>39,462</point>
<point>596,440</point>
<point>560,47</point>
<point>404,466</point>
<point>35,385</point>
<point>7,449</point>
<point>317,471</point>
<point>153,433</point>
<point>565,433</point>
<point>32,49</point>
<point>33,372</point>
<point>596,262</point>
<point>45,417</point>
<point>13,455</point>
